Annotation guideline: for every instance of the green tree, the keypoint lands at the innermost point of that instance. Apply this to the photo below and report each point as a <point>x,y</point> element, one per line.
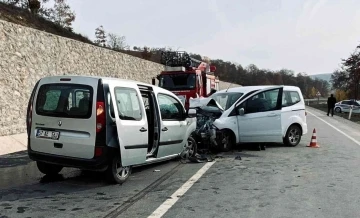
<point>100,36</point>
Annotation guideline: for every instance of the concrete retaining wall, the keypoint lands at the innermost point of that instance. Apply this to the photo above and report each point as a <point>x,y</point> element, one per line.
<point>26,55</point>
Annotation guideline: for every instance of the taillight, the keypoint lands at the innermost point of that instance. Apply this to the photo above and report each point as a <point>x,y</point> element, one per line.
<point>100,116</point>
<point>30,116</point>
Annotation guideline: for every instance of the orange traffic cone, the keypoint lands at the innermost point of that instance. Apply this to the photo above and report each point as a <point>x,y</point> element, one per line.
<point>313,143</point>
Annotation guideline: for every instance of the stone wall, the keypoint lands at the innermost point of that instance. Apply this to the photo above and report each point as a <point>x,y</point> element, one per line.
<point>26,55</point>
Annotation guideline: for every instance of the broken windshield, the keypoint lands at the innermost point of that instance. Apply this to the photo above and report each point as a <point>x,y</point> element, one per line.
<point>179,81</point>
<point>226,99</point>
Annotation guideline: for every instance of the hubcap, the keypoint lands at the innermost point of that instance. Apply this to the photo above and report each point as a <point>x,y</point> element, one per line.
<point>294,136</point>
<point>188,149</point>
<point>225,140</point>
<point>121,171</point>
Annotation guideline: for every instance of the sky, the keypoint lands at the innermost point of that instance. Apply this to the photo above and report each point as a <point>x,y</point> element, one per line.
<point>310,36</point>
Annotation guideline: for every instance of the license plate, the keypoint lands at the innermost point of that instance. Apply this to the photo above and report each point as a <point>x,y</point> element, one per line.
<point>48,134</point>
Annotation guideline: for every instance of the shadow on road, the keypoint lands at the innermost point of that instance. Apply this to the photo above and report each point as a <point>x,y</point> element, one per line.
<point>26,182</point>
<point>14,159</point>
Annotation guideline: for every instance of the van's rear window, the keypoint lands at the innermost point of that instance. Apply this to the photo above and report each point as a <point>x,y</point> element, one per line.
<point>65,100</point>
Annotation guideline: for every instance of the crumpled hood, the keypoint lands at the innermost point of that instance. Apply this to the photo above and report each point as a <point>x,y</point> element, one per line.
<point>201,102</point>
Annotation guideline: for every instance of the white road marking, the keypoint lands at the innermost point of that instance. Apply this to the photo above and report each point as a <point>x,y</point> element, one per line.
<point>349,137</point>
<point>164,207</point>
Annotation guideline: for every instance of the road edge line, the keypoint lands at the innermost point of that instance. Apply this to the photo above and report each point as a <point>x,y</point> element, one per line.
<point>166,205</point>
<point>349,137</point>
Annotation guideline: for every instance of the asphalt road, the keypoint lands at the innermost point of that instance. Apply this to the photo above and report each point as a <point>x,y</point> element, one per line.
<point>278,182</point>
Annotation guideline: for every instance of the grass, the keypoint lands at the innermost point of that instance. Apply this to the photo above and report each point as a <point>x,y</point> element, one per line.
<point>323,107</point>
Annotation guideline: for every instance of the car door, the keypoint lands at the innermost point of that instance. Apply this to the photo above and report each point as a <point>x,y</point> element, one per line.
<point>131,123</point>
<point>345,106</point>
<point>261,120</point>
<point>173,126</point>
<point>356,107</point>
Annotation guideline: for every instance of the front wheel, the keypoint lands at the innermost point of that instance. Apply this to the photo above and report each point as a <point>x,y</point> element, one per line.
<point>338,110</point>
<point>227,141</point>
<point>116,173</point>
<point>293,136</point>
<point>48,169</point>
<point>190,148</point>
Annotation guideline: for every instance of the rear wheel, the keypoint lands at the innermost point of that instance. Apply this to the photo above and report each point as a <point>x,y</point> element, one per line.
<point>293,136</point>
<point>48,169</point>
<point>116,173</point>
<point>338,110</point>
<point>263,147</point>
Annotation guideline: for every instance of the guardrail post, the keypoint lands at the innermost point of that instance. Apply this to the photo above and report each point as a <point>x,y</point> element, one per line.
<point>351,109</point>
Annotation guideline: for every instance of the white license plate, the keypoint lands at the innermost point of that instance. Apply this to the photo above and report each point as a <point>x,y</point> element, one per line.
<point>48,134</point>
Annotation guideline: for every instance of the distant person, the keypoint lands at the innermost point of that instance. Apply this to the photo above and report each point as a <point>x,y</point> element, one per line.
<point>331,104</point>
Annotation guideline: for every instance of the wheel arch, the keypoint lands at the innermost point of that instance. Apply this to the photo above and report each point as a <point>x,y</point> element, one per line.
<point>233,135</point>
<point>293,124</point>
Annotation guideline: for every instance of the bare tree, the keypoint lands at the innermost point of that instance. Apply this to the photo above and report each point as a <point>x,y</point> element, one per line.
<point>62,15</point>
<point>116,42</point>
<point>100,36</point>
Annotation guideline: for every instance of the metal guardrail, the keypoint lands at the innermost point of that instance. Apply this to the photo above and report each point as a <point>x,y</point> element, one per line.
<point>321,100</point>
<point>314,99</point>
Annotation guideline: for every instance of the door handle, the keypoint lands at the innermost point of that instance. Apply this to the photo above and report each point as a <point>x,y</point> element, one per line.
<point>143,130</point>
<point>164,129</point>
<point>272,115</point>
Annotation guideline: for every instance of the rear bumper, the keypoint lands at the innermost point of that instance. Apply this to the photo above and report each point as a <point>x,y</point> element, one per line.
<point>98,163</point>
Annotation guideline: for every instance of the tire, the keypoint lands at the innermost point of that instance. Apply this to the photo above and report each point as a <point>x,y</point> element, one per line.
<point>227,141</point>
<point>48,169</point>
<point>190,149</point>
<point>258,147</point>
<point>263,147</point>
<point>338,110</point>
<point>293,136</point>
<point>116,173</point>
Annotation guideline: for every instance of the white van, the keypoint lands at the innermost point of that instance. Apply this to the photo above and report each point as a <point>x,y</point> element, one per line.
<point>257,114</point>
<point>105,124</point>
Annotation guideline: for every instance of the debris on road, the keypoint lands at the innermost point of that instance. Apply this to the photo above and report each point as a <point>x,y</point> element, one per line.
<point>238,157</point>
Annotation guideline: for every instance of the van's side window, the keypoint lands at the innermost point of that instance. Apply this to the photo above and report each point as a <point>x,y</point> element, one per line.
<point>128,104</point>
<point>170,108</point>
<point>262,102</point>
<point>290,98</point>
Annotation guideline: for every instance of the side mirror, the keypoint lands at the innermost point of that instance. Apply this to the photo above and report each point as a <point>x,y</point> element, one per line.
<point>191,113</point>
<point>153,81</point>
<point>241,111</point>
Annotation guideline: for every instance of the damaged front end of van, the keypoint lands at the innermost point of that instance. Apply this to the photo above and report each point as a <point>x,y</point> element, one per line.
<point>207,135</point>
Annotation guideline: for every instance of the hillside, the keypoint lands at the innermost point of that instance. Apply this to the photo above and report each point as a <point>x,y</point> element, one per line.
<point>323,76</point>
<point>225,70</point>
<point>25,18</point>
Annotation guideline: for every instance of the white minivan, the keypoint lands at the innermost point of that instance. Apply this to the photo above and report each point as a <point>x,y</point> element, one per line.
<point>259,114</point>
<point>105,124</point>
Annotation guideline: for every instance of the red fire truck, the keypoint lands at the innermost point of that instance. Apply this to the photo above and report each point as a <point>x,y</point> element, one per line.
<point>186,77</point>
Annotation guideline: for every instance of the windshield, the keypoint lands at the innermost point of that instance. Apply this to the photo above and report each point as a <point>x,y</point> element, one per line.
<point>226,99</point>
<point>177,81</point>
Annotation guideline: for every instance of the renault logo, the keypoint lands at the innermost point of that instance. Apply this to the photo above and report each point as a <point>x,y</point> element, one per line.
<point>59,123</point>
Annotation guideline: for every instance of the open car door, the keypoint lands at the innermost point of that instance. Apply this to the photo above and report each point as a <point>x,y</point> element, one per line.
<point>259,116</point>
<point>131,123</point>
